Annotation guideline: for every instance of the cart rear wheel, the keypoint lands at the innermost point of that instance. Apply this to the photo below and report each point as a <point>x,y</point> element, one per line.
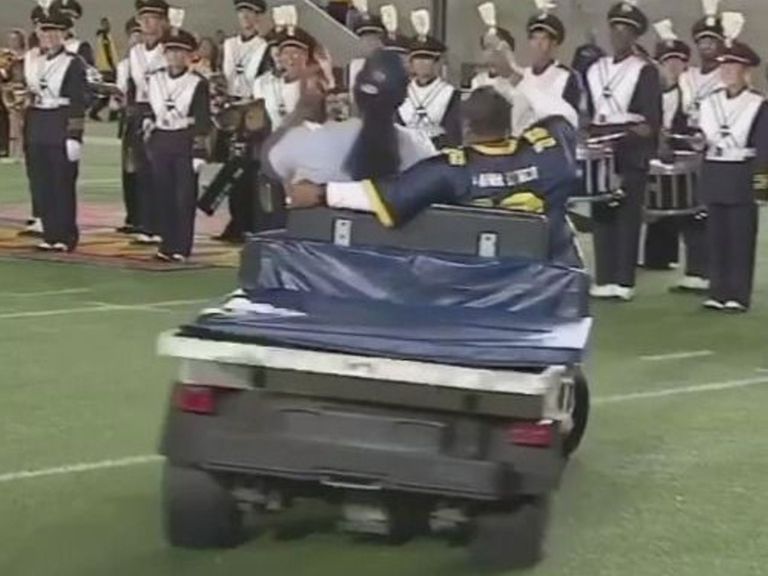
<point>199,512</point>
<point>580,415</point>
<point>510,540</point>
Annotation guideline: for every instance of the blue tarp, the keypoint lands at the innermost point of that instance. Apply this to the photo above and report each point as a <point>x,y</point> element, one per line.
<point>421,306</point>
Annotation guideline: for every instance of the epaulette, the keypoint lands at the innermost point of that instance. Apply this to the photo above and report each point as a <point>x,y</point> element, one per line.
<point>539,138</point>
<point>455,156</point>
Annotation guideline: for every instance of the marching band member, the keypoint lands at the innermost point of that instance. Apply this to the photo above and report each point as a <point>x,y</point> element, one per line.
<point>131,196</point>
<point>699,82</point>
<point>180,123</point>
<point>297,52</point>
<point>696,84</point>
<point>34,226</point>
<point>661,248</point>
<point>734,121</point>
<point>393,40</point>
<point>246,58</point>
<point>624,96</point>
<point>370,29</point>
<point>537,173</point>
<point>433,106</point>
<point>55,123</point>
<point>74,11</point>
<point>546,33</point>
<point>145,60</point>
<point>532,98</point>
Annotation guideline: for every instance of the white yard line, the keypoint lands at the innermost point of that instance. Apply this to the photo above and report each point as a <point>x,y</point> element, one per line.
<point>678,356</point>
<point>101,307</point>
<point>76,468</point>
<point>47,293</point>
<point>154,458</point>
<point>695,389</point>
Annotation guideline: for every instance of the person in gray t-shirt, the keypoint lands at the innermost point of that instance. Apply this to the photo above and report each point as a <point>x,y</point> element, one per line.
<point>366,147</point>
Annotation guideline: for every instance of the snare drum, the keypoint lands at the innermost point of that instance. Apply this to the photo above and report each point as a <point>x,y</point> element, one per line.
<point>673,186</point>
<point>597,168</point>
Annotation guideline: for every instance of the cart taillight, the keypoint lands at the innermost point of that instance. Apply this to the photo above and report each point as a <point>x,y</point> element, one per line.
<point>539,434</point>
<point>195,399</point>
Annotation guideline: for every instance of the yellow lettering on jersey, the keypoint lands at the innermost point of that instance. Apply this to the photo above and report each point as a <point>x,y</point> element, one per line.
<point>523,202</point>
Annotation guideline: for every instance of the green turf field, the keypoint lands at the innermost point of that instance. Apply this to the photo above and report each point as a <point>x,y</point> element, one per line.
<point>671,479</point>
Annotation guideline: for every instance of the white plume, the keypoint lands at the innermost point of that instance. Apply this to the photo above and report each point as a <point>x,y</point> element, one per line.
<point>361,6</point>
<point>176,17</point>
<point>278,16</point>
<point>666,30</point>
<point>44,4</point>
<point>632,2</point>
<point>710,7</point>
<point>389,18</point>
<point>545,6</point>
<point>291,15</point>
<point>733,24</point>
<point>488,14</point>
<point>422,22</point>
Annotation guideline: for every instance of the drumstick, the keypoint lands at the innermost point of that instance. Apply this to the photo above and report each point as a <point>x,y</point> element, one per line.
<point>606,138</point>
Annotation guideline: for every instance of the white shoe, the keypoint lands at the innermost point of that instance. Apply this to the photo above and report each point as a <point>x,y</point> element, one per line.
<point>713,304</point>
<point>60,247</point>
<point>35,226</point>
<point>603,291</point>
<point>147,240</point>
<point>45,246</point>
<point>693,283</point>
<point>624,293</point>
<point>733,306</point>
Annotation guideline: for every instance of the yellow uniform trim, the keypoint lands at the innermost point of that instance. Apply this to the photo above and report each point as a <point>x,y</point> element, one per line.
<point>379,208</point>
<point>503,148</point>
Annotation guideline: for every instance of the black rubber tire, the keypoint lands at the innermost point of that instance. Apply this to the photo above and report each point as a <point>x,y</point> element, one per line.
<point>511,540</point>
<point>581,410</point>
<point>198,511</point>
<point>408,519</point>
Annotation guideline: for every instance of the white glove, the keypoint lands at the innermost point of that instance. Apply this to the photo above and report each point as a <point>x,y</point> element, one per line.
<point>74,150</point>
<point>197,165</point>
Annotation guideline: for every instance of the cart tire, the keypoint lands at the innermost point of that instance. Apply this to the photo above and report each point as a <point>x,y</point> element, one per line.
<point>408,520</point>
<point>581,409</point>
<point>199,512</point>
<point>512,540</point>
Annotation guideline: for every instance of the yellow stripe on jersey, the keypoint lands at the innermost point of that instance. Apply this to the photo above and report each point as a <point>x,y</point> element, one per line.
<point>379,208</point>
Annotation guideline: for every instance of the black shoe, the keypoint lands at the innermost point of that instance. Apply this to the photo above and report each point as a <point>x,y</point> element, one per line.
<point>230,238</point>
<point>128,229</point>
